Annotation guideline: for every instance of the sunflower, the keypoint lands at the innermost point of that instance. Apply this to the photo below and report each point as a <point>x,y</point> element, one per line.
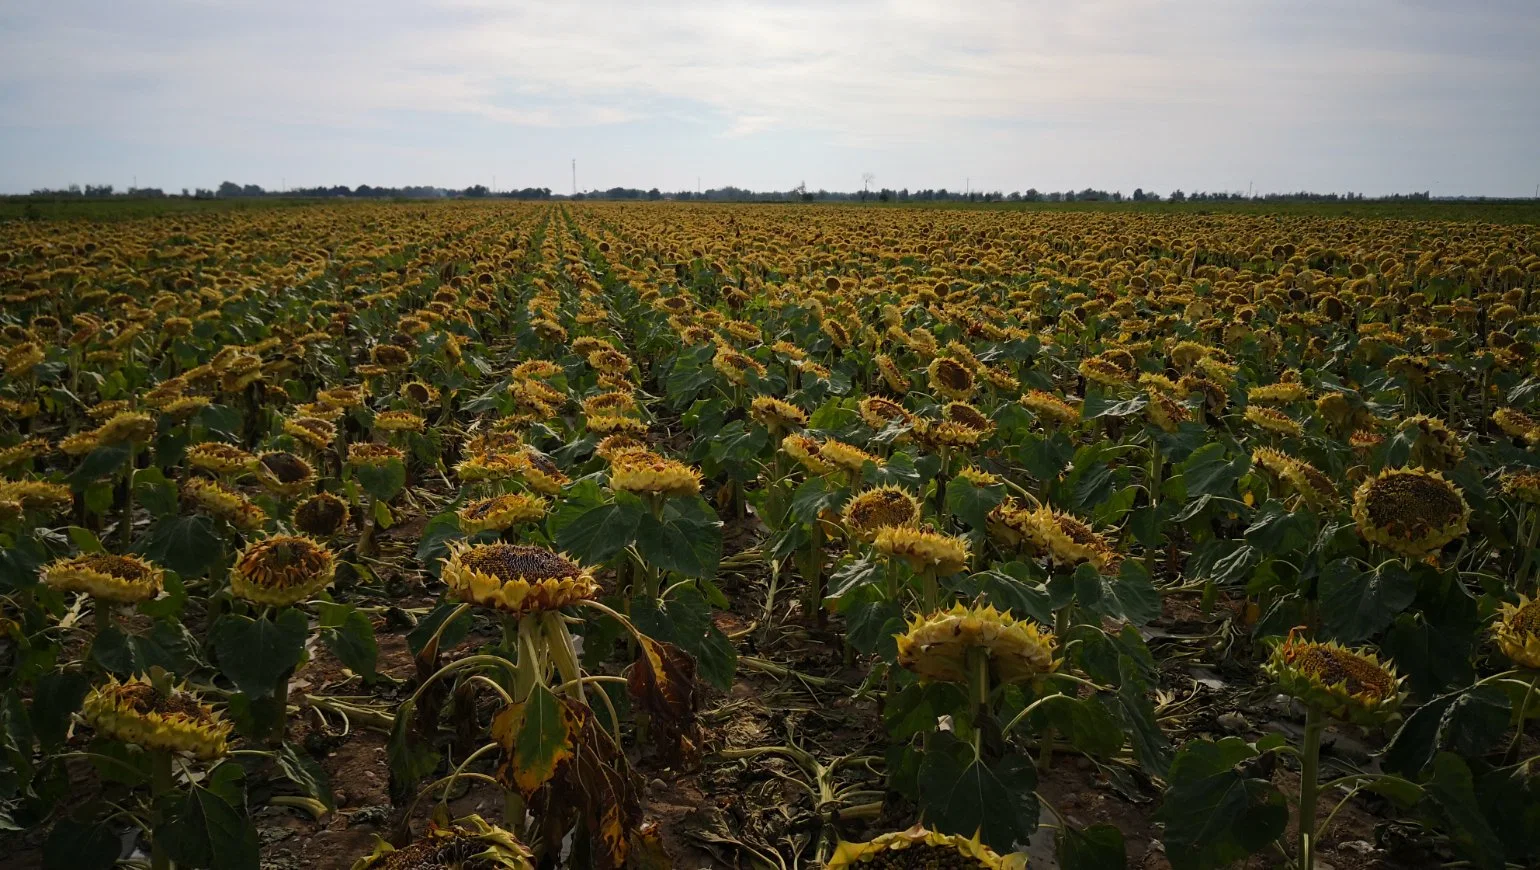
<point>1435,445</point>
<point>284,473</point>
<point>516,579</point>
<point>25,451</point>
<point>80,443</point>
<point>22,359</point>
<point>469,843</point>
<point>322,515</point>
<point>847,457</point>
<point>390,357</point>
<point>494,465</point>
<point>1517,424</point>
<point>37,495</point>
<point>614,445</point>
<point>923,549</point>
<point>1281,393</point>
<point>965,414</point>
<point>1164,412</point>
<point>945,434</point>
<point>611,424</point>
<point>1272,420</point>
<point>892,375</point>
<point>539,471</point>
<point>1517,632</point>
<point>1104,371</point>
<point>176,721</point>
<point>808,452</point>
<point>1051,410</point>
<point>1523,485</point>
<point>609,361</point>
<point>879,413</point>
<point>937,648</point>
<point>613,403</point>
<point>1064,539</point>
<point>418,392</point>
<point>1409,511</point>
<point>399,421</point>
<point>643,472</point>
<point>736,366</point>
<point>219,458</point>
<point>312,431</point>
<point>105,576</point>
<point>282,570</point>
<point>950,378</point>
<point>1349,685</point>
<point>878,508</point>
<point>920,848</point>
<point>223,502</point>
<point>500,512</point>
<point>776,414</point>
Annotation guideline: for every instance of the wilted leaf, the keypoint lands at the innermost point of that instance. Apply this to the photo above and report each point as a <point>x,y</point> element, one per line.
<point>662,682</point>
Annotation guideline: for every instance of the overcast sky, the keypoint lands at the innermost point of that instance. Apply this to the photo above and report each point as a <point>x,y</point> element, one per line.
<point>1368,95</point>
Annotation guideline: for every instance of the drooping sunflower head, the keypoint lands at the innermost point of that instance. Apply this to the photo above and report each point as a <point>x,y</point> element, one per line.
<point>106,576</point>
<point>1517,424</point>
<point>896,378</point>
<point>500,512</point>
<point>965,414</point>
<point>367,453</point>
<point>539,471</point>
<point>314,432</point>
<point>613,403</point>
<point>919,848</point>
<point>1434,444</point>
<point>945,434</point>
<point>223,502</point>
<point>847,457</point>
<point>777,414</point>
<point>950,378</point>
<point>1517,632</point>
<point>808,452</point>
<point>923,549</point>
<point>322,515</point>
<point>219,458</point>
<point>1067,540</point>
<point>515,578</point>
<point>1523,485</point>
<point>880,413</point>
<point>284,473</point>
<point>736,366</point>
<point>137,712</point>
<point>646,473</point>
<point>1052,411</point>
<point>418,393</point>
<point>399,421</point>
<point>937,648</point>
<point>1349,685</point>
<point>131,426</point>
<point>282,570</point>
<point>878,508</point>
<point>26,451</point>
<point>1272,420</point>
<point>469,843</point>
<point>1409,511</point>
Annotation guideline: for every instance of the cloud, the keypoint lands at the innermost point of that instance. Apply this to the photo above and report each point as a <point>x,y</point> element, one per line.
<point>899,80</point>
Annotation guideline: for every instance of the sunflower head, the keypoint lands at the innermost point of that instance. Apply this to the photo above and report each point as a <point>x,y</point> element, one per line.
<point>878,508</point>
<point>418,393</point>
<point>223,502</point>
<point>219,458</point>
<point>1517,632</point>
<point>539,471</point>
<point>643,472</point>
<point>282,570</point>
<point>1523,485</point>
<point>1272,420</point>
<point>106,576</point>
<point>131,426</point>
<point>500,512</point>
<point>920,848</point>
<point>1052,411</point>
<point>137,712</point>
<point>322,515</point>
<point>516,579</point>
<point>1349,685</point>
<point>1064,539</point>
<point>923,549</point>
<point>399,421</point>
<point>777,414</point>
<point>313,432</point>
<point>938,647</point>
<point>950,378</point>
<point>469,843</point>
<point>284,473</point>
<point>847,457</point>
<point>965,414</point>
<point>808,453</point>
<point>1409,511</point>
<point>880,413</point>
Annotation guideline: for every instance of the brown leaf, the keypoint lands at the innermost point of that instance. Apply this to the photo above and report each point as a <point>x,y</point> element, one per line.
<point>662,682</point>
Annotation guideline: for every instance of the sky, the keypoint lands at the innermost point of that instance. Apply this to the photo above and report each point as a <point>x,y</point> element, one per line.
<point>1376,96</point>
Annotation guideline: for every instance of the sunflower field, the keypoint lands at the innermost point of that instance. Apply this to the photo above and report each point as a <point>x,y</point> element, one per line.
<point>650,535</point>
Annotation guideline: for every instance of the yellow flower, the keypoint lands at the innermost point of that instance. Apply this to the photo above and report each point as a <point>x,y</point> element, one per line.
<point>965,414</point>
<point>1349,685</point>
<point>776,414</point>
<point>22,358</point>
<point>923,549</point>
<point>284,473</point>
<point>808,452</point>
<point>614,403</point>
<point>1517,424</point>
<point>282,570</point>
<point>36,494</point>
<point>1051,410</point>
<point>1282,393</point>
<point>488,466</point>
<point>1435,445</point>
<point>937,648</point>
<point>1517,632</point>
<point>938,434</point>
<point>645,473</point>
<point>469,843</point>
<point>1523,485</point>
<point>1272,420</point>
<point>80,443</point>
<point>892,375</point>
<point>219,458</point>
<point>1409,511</point>
<point>539,471</point>
<point>500,512</point>
<point>26,451</point>
<point>609,361</point>
<point>950,378</point>
<point>317,433</point>
<point>399,421</point>
<point>131,426</point>
<point>123,579</point>
<point>921,848</point>
<point>880,413</point>
<point>516,579</point>
<point>221,501</point>
<point>136,712</point>
<point>1104,371</point>
<point>879,508</point>
<point>846,457</point>
<point>1064,539</point>
<point>1164,412</point>
<point>418,393</point>
<point>736,366</point>
<point>322,515</point>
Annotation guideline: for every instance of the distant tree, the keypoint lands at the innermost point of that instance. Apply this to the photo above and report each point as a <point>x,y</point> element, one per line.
<point>476,191</point>
<point>1178,196</point>
<point>1138,194</point>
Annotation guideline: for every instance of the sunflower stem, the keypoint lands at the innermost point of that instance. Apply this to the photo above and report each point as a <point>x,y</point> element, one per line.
<point>102,613</point>
<point>281,725</point>
<point>161,784</point>
<point>126,532</point>
<point>1310,759</point>
<point>813,573</point>
<point>1518,729</point>
<point>930,590</point>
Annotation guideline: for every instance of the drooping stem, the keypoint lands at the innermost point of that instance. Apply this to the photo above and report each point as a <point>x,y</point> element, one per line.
<point>1309,787</point>
<point>161,784</point>
<point>930,591</point>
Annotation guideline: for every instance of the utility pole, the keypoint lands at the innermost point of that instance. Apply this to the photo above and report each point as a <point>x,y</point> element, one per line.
<point>574,176</point>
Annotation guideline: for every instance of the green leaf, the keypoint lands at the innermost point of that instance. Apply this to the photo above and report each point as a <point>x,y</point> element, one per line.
<point>305,772</point>
<point>872,622</point>
<point>1088,724</point>
<point>816,494</point>
<point>916,709</point>
<point>542,738</point>
<point>85,540</point>
<point>1012,587</point>
<point>434,544</point>
<point>73,845</point>
<point>409,759</point>
<point>154,492</point>
<point>254,653</point>
<point>168,645</point>
<point>55,697</point>
<point>602,531</point>
<point>206,830</point>
<point>1214,814</point>
<point>185,544</point>
<point>384,481</point>
<point>1151,747</point>
<point>382,516</point>
<point>101,462</point>
<point>1129,596</point>
<point>963,794</point>
<point>1098,847</point>
<point>350,636</point>
<point>1453,791</point>
<point>1208,472</point>
<point>1357,605</point>
<point>685,620</point>
<point>420,634</point>
<point>971,503</point>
